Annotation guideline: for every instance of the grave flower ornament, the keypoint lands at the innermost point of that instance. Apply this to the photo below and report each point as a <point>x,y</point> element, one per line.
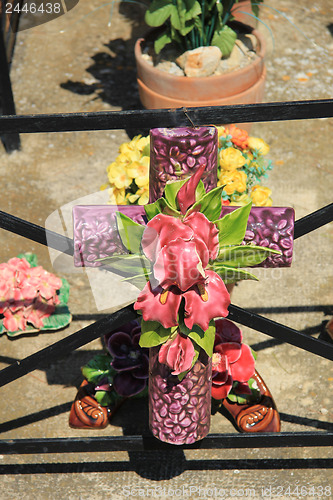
<point>185,255</point>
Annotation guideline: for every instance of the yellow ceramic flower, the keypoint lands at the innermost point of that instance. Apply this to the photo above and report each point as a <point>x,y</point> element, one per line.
<point>234,181</point>
<point>241,200</point>
<point>259,144</point>
<point>139,171</point>
<point>118,176</point>
<point>221,131</point>
<point>141,197</point>
<point>117,196</point>
<point>260,196</point>
<point>231,158</point>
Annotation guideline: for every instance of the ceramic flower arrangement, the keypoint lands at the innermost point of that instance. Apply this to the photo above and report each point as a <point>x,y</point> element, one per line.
<point>32,299</point>
<point>242,165</point>
<point>128,175</point>
<point>183,257</point>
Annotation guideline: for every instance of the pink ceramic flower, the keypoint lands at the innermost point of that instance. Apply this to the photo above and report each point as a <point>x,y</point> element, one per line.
<point>232,360</point>
<point>177,354</point>
<point>27,294</point>
<point>180,250</point>
<point>201,305</point>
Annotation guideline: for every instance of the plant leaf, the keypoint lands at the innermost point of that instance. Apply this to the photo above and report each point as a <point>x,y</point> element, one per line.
<point>158,12</point>
<point>244,255</point>
<point>130,232</point>
<point>153,334</point>
<point>232,227</point>
<point>161,41</point>
<point>210,204</point>
<point>224,40</point>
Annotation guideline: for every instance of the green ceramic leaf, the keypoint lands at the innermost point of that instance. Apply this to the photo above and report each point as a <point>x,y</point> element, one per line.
<point>204,339</point>
<point>98,367</point>
<point>210,204</point>
<point>105,398</point>
<point>59,319</point>
<point>232,227</point>
<point>129,266</point>
<point>171,190</point>
<point>30,257</point>
<point>153,334</point>
<point>160,206</point>
<point>232,274</point>
<point>130,232</point>
<point>224,40</point>
<point>2,328</point>
<point>63,293</point>
<point>244,255</point>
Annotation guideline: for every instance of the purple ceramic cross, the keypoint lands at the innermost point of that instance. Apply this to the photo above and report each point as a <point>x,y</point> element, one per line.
<point>176,154</point>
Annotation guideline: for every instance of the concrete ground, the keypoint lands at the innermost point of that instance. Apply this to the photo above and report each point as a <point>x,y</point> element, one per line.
<point>77,63</point>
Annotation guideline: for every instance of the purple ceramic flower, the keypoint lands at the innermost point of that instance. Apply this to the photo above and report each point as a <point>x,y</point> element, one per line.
<point>130,361</point>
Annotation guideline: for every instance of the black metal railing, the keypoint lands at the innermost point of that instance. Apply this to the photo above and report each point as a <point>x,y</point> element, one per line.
<point>151,119</point>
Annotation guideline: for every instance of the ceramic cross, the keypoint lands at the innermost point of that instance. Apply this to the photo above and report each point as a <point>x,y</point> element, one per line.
<point>176,154</point>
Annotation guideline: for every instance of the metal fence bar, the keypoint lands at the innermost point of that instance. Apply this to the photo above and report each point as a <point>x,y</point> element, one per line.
<point>67,345</point>
<point>146,119</point>
<point>313,221</point>
<point>146,443</point>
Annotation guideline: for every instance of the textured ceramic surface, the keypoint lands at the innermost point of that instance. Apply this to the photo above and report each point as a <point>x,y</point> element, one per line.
<point>179,412</point>
<point>96,234</point>
<point>177,153</point>
<point>271,227</point>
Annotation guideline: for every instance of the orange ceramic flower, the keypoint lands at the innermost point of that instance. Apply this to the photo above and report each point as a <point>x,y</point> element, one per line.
<point>239,136</point>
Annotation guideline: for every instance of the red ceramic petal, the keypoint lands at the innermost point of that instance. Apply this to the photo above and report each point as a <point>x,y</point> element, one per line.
<point>205,230</point>
<point>152,309</point>
<point>160,231</point>
<point>222,391</point>
<point>186,194</point>
<point>243,369</point>
<point>198,312</point>
<point>232,350</point>
<point>228,331</point>
<point>178,264</point>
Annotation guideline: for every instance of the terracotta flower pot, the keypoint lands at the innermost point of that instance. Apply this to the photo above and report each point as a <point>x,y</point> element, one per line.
<point>159,89</point>
<point>179,411</point>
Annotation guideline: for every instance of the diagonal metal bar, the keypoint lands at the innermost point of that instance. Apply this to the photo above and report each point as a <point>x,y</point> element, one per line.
<point>281,332</point>
<point>146,119</point>
<point>66,345</point>
<point>36,233</point>
<point>146,443</point>
<point>313,221</point>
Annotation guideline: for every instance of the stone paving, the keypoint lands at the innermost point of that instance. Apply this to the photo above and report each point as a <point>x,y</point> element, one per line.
<point>77,63</point>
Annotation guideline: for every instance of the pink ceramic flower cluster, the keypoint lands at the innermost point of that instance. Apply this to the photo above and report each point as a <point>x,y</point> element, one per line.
<point>27,294</point>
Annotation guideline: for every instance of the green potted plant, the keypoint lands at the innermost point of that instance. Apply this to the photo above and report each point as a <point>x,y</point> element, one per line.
<point>199,29</point>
